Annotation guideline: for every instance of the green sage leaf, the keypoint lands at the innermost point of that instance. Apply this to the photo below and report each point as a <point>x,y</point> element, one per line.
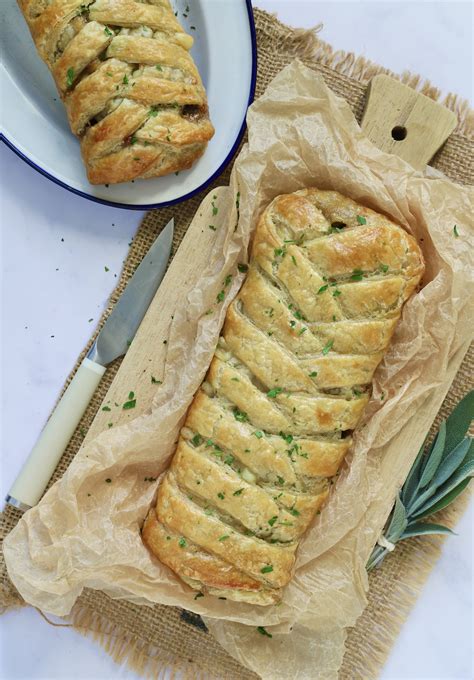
<point>398,522</point>
<point>413,479</point>
<point>444,501</point>
<point>459,420</point>
<point>452,461</point>
<point>434,458</point>
<point>421,528</point>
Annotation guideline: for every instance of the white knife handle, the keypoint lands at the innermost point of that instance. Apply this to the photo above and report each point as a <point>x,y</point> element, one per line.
<point>33,478</point>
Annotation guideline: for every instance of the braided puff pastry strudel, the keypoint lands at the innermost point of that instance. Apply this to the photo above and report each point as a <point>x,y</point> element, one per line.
<point>132,92</point>
<point>288,383</point>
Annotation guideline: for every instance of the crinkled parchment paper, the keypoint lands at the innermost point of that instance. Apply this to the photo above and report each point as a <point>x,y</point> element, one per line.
<point>85,533</point>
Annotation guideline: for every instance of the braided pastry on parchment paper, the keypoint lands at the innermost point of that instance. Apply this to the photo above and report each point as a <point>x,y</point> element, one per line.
<point>287,385</point>
<point>132,92</point>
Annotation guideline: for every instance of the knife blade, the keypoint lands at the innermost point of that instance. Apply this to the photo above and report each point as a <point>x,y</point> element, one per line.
<point>112,342</point>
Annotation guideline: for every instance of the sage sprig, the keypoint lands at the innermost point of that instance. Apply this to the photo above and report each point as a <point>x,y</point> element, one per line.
<point>437,477</point>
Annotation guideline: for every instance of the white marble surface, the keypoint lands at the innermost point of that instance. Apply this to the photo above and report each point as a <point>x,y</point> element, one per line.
<point>52,287</point>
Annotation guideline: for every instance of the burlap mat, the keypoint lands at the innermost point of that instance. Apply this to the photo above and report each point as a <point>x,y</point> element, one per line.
<point>151,639</point>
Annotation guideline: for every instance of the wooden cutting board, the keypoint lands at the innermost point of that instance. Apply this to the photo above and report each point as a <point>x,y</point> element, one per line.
<point>397,119</point>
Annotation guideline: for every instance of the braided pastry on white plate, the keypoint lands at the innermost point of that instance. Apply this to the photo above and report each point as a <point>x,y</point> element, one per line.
<point>288,383</point>
<point>132,92</point>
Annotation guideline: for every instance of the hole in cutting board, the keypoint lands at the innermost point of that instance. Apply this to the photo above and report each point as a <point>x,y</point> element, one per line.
<point>399,132</point>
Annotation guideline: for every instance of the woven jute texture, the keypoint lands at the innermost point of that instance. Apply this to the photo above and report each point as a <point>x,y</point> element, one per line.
<point>153,639</point>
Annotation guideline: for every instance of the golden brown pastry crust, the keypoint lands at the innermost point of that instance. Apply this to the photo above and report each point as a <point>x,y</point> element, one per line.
<point>132,92</point>
<point>288,383</point>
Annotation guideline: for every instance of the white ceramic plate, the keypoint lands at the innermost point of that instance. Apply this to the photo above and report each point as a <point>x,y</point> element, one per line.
<point>36,128</point>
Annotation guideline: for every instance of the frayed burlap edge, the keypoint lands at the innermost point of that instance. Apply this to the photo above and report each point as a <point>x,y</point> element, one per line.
<point>305,44</point>
<point>407,569</point>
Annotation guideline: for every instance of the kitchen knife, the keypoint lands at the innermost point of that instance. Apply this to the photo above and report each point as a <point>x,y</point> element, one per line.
<point>111,343</point>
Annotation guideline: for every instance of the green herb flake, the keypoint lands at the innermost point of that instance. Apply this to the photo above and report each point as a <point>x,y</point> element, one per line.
<point>294,512</point>
<point>158,67</point>
<point>239,415</point>
<point>229,460</point>
<point>313,374</point>
<point>215,209</point>
<point>272,520</point>
<point>361,219</point>
<point>263,631</point>
<point>224,538</point>
<point>242,268</point>
<point>227,280</point>
<point>322,289</point>
<point>327,347</point>
<point>455,231</point>
<point>279,251</point>
<point>357,275</point>
<point>196,440</point>
<point>108,480</point>
<point>267,569</point>
<point>293,259</point>
<point>221,495</point>
<point>131,403</point>
<point>107,31</point>
<point>212,227</point>
<point>258,434</point>
<point>106,408</point>
<point>154,381</point>
<point>198,595</point>
<point>274,392</point>
<point>70,77</point>
<point>109,425</point>
<point>238,492</point>
<point>302,330</point>
<point>281,480</point>
<point>336,293</point>
<point>220,296</point>
<point>182,542</point>
<point>383,267</point>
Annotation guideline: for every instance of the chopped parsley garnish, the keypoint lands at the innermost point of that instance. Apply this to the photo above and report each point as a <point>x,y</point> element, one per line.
<point>220,296</point>
<point>262,631</point>
<point>70,76</point>
<point>274,392</point>
<point>336,293</point>
<point>383,267</point>
<point>133,140</point>
<point>239,415</point>
<point>182,542</point>
<point>155,381</point>
<point>272,520</point>
<point>106,269</point>
<point>153,111</point>
<point>125,80</point>
<point>224,538</point>
<point>293,259</point>
<point>106,408</point>
<point>267,569</point>
<point>294,511</point>
<point>292,324</point>
<point>238,492</point>
<point>229,460</point>
<point>215,209</point>
<point>107,31</point>
<point>455,231</point>
<point>323,289</point>
<point>357,275</point>
<point>227,280</point>
<point>281,480</point>
<point>258,434</point>
<point>242,268</point>
<point>327,347</point>
<point>313,374</point>
<point>131,403</point>
<point>196,440</point>
<point>361,219</point>
<point>286,524</point>
<point>212,227</point>
<point>221,495</point>
<point>287,437</point>
<point>280,251</point>
<point>302,330</point>
<point>158,67</point>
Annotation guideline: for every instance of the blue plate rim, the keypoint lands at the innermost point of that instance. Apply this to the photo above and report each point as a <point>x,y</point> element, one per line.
<point>174,201</point>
